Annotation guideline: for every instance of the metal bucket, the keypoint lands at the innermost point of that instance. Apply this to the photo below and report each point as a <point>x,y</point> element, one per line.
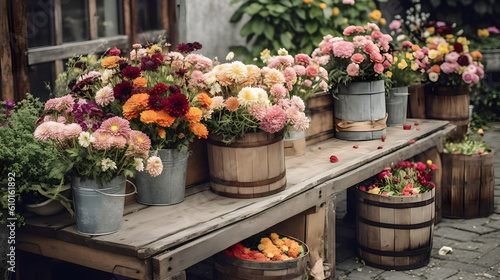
<point>98,208</point>
<point>396,105</point>
<point>167,188</point>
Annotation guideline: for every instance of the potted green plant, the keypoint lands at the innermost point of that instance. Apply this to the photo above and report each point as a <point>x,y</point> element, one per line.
<point>28,160</point>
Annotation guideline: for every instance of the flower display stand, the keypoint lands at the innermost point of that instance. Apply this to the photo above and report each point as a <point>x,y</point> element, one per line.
<point>360,111</point>
<point>319,109</point>
<point>395,232</point>
<point>468,185</point>
<point>451,104</point>
<point>253,166</point>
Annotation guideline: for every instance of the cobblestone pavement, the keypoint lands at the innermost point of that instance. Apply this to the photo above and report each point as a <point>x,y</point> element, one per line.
<point>475,243</point>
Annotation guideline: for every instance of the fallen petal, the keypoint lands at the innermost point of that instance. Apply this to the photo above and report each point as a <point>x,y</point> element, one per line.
<point>445,250</point>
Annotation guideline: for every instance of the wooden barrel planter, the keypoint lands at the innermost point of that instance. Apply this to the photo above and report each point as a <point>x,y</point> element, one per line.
<point>319,109</point>
<point>360,111</point>
<point>416,101</point>
<point>394,232</point>
<point>253,166</point>
<point>450,104</point>
<point>468,185</point>
<point>230,268</point>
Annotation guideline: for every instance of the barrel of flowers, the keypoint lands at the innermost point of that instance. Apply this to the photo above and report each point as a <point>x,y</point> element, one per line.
<point>250,111</point>
<point>263,256</point>
<point>395,217</point>
<point>468,178</point>
<point>449,77</point>
<point>356,77</point>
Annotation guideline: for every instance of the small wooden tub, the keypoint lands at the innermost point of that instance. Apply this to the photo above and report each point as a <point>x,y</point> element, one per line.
<point>229,268</point>
<point>395,233</point>
<point>468,185</point>
<point>320,110</point>
<point>253,166</point>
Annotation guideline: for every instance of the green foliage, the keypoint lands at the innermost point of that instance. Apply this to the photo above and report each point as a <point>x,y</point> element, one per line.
<point>486,100</point>
<point>294,24</point>
<point>471,144</point>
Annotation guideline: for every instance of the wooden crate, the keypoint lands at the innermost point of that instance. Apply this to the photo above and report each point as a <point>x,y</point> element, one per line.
<point>320,111</point>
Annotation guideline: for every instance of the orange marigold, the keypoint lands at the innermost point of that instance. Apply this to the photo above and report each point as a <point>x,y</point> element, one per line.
<point>199,130</point>
<point>436,69</point>
<point>193,115</point>
<point>232,104</point>
<point>164,119</point>
<point>476,55</point>
<point>110,62</point>
<point>433,47</point>
<point>149,116</point>
<point>204,99</point>
<point>162,133</point>
<point>415,47</point>
<point>135,105</point>
<point>140,82</point>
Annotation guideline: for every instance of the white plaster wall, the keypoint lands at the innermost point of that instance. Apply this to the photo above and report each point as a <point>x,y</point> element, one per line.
<point>207,22</point>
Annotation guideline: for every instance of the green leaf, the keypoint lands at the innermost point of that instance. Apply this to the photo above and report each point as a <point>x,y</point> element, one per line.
<point>269,32</point>
<point>254,8</point>
<point>315,12</point>
<point>236,16</point>
<point>301,14</point>
<point>264,13</point>
<point>286,3</point>
<point>286,41</point>
<point>235,1</point>
<point>311,27</point>
<point>239,50</point>
<point>265,1</point>
<point>305,41</point>
<point>247,29</point>
<point>276,8</point>
<point>258,26</point>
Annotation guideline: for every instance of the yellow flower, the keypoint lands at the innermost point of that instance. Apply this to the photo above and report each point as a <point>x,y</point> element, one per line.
<point>449,37</point>
<point>395,59</point>
<point>431,30</point>
<point>388,74</point>
<point>335,11</point>
<point>414,66</point>
<point>307,1</point>
<point>322,6</point>
<point>466,48</point>
<point>409,56</point>
<point>382,21</point>
<point>429,162</point>
<point>443,49</point>
<point>462,40</point>
<point>483,33</point>
<point>374,190</point>
<point>375,15</point>
<point>402,65</point>
<point>433,54</point>
<point>346,20</point>
<point>153,49</point>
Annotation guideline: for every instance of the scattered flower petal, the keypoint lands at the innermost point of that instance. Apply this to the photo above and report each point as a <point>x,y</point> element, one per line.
<point>445,250</point>
<point>334,159</point>
<point>383,138</point>
<point>406,126</point>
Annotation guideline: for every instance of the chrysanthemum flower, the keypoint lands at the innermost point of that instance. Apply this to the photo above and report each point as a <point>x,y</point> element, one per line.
<point>204,99</point>
<point>177,105</point>
<point>274,120</point>
<point>155,102</point>
<point>110,62</point>
<point>149,116</point>
<point>116,126</point>
<point>162,133</point>
<point>131,72</point>
<point>237,71</point>
<point>154,166</point>
<point>273,76</point>
<point>85,139</point>
<point>139,143</point>
<point>150,63</point>
<point>159,89</point>
<point>123,91</point>
<point>135,105</point>
<point>104,96</point>
<point>140,82</point>
<point>199,130</point>
<point>107,163</point>
<point>164,119</point>
<point>248,96</point>
<point>72,130</point>
<point>101,141</point>
<point>253,76</point>
<point>257,111</point>
<point>217,103</point>
<point>193,115</point>
<point>232,104</point>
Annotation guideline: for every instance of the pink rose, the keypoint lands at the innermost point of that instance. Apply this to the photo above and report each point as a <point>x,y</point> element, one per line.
<point>419,54</point>
<point>377,57</point>
<point>353,69</point>
<point>312,71</point>
<point>378,68</point>
<point>343,49</point>
<point>471,68</point>
<point>376,34</point>
<point>451,57</point>
<point>386,64</point>
<point>357,58</point>
<point>480,71</point>
<point>349,30</point>
<point>449,67</point>
<point>467,77</point>
<point>395,24</point>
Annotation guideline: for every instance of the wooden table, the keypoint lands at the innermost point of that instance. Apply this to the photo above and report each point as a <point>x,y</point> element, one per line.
<point>158,242</point>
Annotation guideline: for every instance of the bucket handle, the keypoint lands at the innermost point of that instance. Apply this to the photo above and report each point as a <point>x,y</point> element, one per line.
<point>119,195</point>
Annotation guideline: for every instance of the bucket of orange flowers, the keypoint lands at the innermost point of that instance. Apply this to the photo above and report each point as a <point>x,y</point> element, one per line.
<point>395,217</point>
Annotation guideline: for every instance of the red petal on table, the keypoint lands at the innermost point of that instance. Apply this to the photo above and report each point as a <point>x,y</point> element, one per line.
<point>334,159</point>
<point>355,146</point>
<point>411,141</point>
<point>418,129</point>
<point>416,123</point>
<point>406,126</point>
<point>383,138</point>
<point>363,188</point>
<point>380,147</point>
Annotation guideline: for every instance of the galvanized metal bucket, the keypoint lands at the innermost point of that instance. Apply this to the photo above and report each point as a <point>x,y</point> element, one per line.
<point>396,105</point>
<point>99,208</point>
<point>167,188</point>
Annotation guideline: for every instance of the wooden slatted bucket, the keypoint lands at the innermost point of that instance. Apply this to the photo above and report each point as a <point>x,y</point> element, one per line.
<point>320,110</point>
<point>416,101</point>
<point>395,232</point>
<point>230,268</point>
<point>360,111</point>
<point>468,185</point>
<point>253,166</point>
<point>450,104</point>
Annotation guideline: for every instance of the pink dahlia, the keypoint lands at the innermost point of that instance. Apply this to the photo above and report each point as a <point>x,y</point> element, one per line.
<point>353,69</point>
<point>357,58</point>
<point>116,126</point>
<point>278,91</point>
<point>72,130</point>
<point>300,70</point>
<point>257,111</point>
<point>302,59</point>
<point>139,143</point>
<point>343,49</point>
<point>274,120</point>
<point>154,166</point>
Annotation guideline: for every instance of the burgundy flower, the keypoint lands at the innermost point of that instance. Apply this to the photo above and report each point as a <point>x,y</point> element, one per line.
<point>189,47</point>
<point>81,65</point>
<point>155,102</point>
<point>181,72</point>
<point>10,104</point>
<point>463,60</point>
<point>176,105</point>
<point>7,113</point>
<point>71,84</point>
<point>123,64</point>
<point>159,89</point>
<point>458,47</point>
<point>80,86</point>
<point>158,56</point>
<point>174,89</point>
<point>114,51</point>
<point>131,72</point>
<point>123,91</point>
<point>150,63</point>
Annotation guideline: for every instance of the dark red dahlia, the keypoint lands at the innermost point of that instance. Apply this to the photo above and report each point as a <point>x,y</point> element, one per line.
<point>159,89</point>
<point>181,72</point>
<point>189,47</point>
<point>123,91</point>
<point>176,105</point>
<point>150,63</point>
<point>463,60</point>
<point>81,65</point>
<point>131,72</point>
<point>174,89</point>
<point>114,51</point>
<point>155,102</point>
<point>158,56</point>
<point>458,47</point>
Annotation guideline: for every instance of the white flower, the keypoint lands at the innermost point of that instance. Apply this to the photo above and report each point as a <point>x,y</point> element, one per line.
<point>230,56</point>
<point>237,71</point>
<point>85,138</point>
<point>106,74</point>
<point>433,76</point>
<point>248,96</point>
<point>282,51</point>
<point>107,163</point>
<point>138,164</point>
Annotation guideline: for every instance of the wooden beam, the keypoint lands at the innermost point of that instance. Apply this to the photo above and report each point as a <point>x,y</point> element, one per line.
<point>20,43</point>
<point>173,34</point>
<point>5,54</point>
<point>133,23</point>
<point>93,33</point>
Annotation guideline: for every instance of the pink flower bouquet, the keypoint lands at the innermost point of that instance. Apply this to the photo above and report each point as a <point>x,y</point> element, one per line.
<point>92,145</point>
<point>246,98</point>
<point>361,55</point>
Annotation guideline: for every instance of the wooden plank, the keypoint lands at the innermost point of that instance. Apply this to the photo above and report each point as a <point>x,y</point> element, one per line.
<point>457,188</point>
<point>316,238</point>
<point>93,34</point>
<point>173,32</point>
<point>169,263</point>
<point>472,186</point>
<point>19,41</point>
<point>6,54</point>
<point>96,259</point>
<point>487,197</point>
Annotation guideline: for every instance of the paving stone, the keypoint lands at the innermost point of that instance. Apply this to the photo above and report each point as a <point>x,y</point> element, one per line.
<point>471,268</point>
<point>493,224</point>
<point>397,275</point>
<point>490,259</point>
<point>463,275</point>
<point>455,234</point>
<point>474,227</point>
<point>438,242</point>
<point>459,255</point>
<point>349,265</point>
<point>438,272</point>
<point>472,246</point>
<point>363,273</point>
